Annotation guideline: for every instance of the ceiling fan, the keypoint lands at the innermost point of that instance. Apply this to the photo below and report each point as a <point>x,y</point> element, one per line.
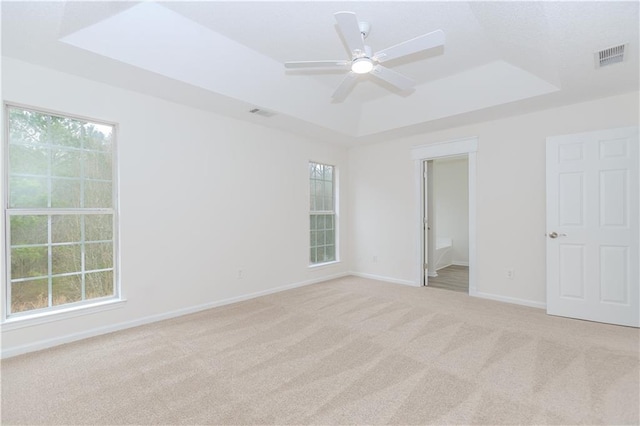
<point>363,61</point>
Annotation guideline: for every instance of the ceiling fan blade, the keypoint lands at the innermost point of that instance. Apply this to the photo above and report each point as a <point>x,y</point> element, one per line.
<point>348,24</point>
<point>423,42</point>
<point>394,78</point>
<point>347,84</point>
<point>316,64</point>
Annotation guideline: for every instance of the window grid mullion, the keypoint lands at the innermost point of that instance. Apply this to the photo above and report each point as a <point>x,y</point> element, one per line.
<point>82,258</point>
<point>46,211</point>
<point>8,271</point>
<point>83,156</point>
<point>49,261</point>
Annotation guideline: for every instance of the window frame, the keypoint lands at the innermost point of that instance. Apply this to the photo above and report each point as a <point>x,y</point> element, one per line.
<point>333,212</point>
<point>71,309</point>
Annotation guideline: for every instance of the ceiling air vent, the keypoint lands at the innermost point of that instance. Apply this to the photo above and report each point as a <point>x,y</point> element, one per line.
<point>262,112</point>
<point>610,56</point>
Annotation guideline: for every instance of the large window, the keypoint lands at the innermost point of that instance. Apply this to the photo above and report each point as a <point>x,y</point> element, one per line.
<point>322,214</point>
<point>60,211</point>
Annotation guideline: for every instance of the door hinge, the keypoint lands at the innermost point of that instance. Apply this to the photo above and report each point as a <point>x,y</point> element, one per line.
<point>426,266</point>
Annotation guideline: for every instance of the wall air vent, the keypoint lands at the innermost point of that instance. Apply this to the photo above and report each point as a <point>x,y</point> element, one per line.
<point>262,112</point>
<point>610,56</point>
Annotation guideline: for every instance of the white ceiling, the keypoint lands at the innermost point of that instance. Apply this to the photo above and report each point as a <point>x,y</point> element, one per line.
<point>500,58</point>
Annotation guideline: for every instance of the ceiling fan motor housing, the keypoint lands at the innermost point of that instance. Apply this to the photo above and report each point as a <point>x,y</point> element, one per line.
<point>365,27</point>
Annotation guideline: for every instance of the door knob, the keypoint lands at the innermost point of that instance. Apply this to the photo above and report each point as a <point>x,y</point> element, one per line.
<point>554,234</point>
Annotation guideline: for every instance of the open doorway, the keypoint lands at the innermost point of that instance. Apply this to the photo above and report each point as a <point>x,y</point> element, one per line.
<point>422,155</point>
<point>447,218</point>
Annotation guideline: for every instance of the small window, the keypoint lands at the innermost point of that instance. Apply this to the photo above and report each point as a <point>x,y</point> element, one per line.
<point>322,213</point>
<point>60,211</point>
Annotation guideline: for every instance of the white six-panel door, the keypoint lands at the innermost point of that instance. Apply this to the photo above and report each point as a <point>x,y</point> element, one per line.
<point>592,226</point>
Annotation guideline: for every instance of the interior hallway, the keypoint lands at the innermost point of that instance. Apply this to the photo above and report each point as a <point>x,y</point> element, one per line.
<point>454,277</point>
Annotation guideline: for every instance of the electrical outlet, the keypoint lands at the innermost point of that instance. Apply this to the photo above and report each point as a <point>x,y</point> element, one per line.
<point>240,273</point>
<point>509,273</point>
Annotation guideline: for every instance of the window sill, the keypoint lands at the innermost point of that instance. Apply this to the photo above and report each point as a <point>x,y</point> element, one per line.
<point>59,315</point>
<point>325,264</point>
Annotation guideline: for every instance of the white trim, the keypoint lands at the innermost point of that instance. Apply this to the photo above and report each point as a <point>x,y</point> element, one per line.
<point>473,205</point>
<point>460,263</point>
<point>49,316</point>
<point>443,266</point>
<point>44,344</point>
<point>386,279</point>
<point>323,264</point>
<point>422,153</point>
<point>444,149</point>
<point>513,300</point>
<point>6,317</point>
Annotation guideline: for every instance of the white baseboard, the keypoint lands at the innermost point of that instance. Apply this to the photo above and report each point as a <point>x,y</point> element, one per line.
<point>507,299</point>
<point>443,266</point>
<point>457,263</point>
<point>382,278</point>
<point>44,344</point>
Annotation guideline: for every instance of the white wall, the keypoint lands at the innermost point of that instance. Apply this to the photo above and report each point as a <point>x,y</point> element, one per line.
<point>201,196</point>
<point>510,192</point>
<point>451,196</point>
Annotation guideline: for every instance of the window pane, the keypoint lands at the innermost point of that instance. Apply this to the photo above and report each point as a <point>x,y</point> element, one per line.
<point>328,222</point>
<point>312,224</point>
<point>31,229</point>
<point>33,160</point>
<point>29,262</point>
<point>320,254</point>
<point>328,204</point>
<point>67,289</point>
<point>97,137</point>
<point>97,194</point>
<point>316,171</point>
<point>99,284</point>
<point>319,187</point>
<point>314,238</point>
<point>98,227</point>
<point>65,228</point>
<point>65,162</point>
<point>312,255</point>
<point>97,165</point>
<point>320,203</point>
<point>328,189</point>
<point>320,238</point>
<point>330,253</point>
<point>28,295</point>
<point>65,131</point>
<point>66,259</point>
<point>330,237</point>
<point>98,256</point>
<point>328,173</point>
<point>65,193</point>
<point>28,192</point>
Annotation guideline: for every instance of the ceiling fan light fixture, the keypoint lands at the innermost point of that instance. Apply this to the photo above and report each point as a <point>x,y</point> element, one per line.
<point>362,65</point>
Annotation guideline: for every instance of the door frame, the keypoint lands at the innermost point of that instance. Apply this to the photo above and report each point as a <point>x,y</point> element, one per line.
<point>423,153</point>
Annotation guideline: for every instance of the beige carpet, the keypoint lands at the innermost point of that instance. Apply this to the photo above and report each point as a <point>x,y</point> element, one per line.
<point>348,351</point>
